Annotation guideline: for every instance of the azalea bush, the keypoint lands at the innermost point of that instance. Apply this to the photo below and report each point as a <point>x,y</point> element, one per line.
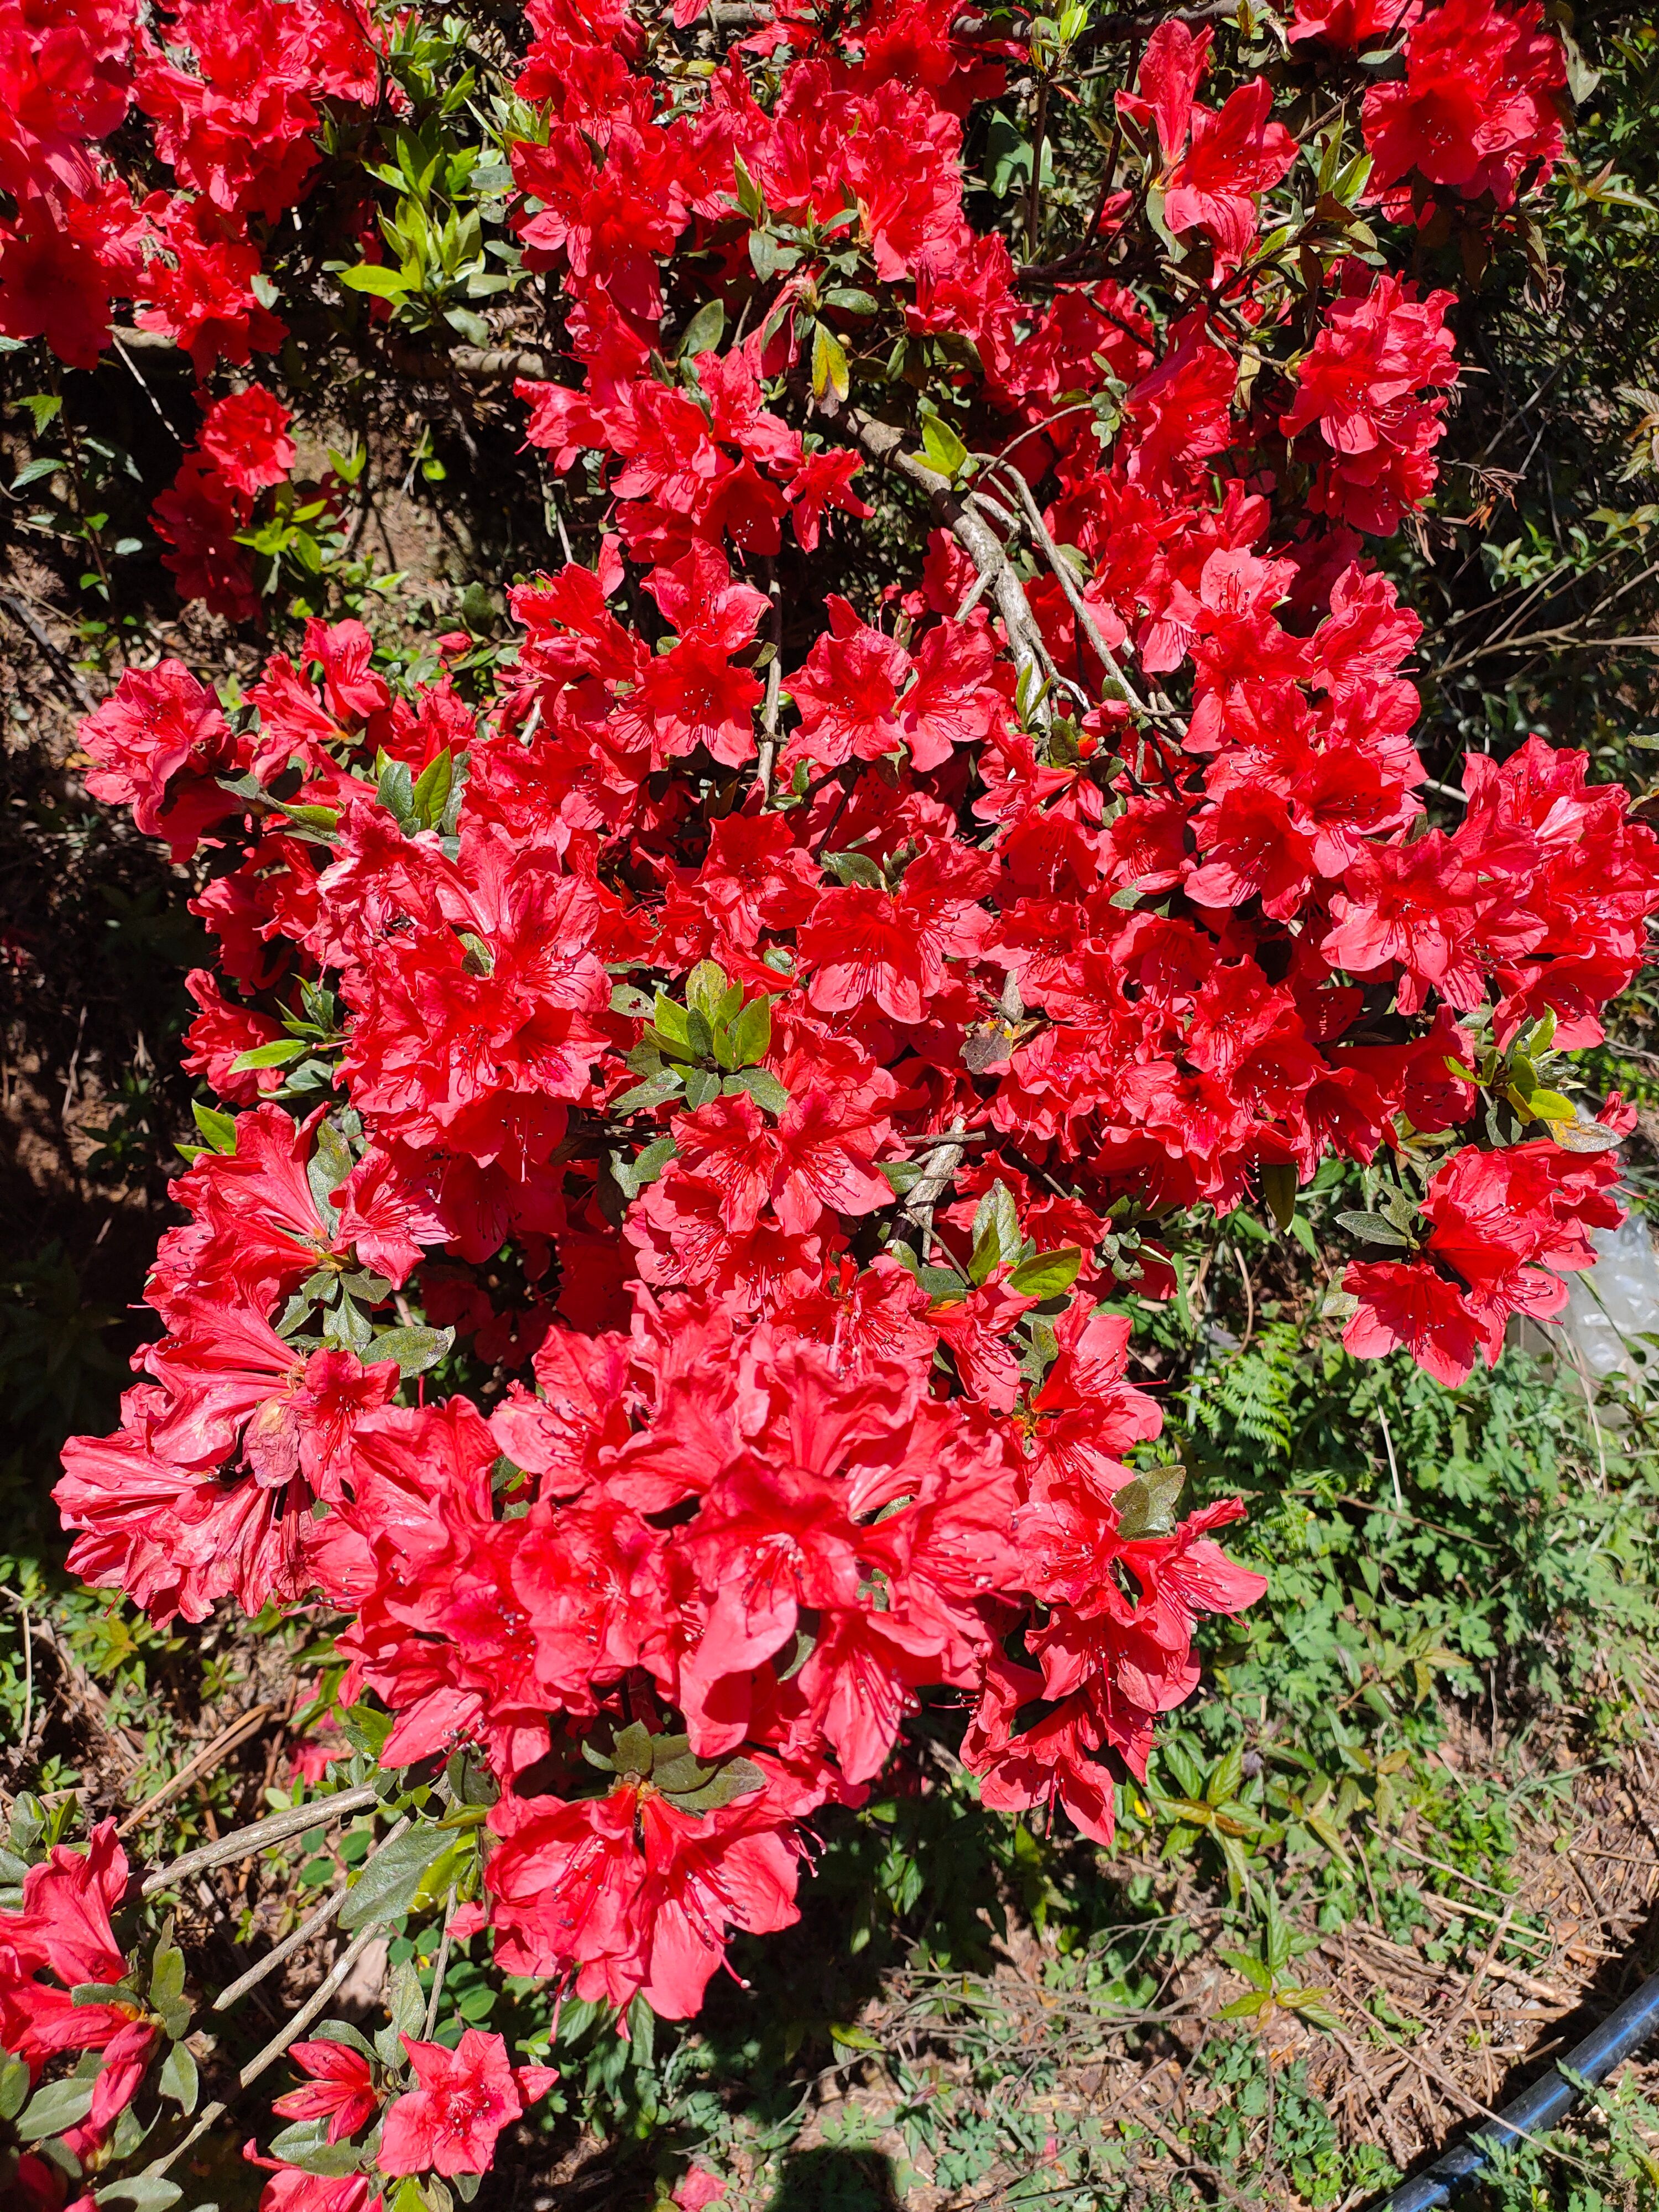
<point>699,1080</point>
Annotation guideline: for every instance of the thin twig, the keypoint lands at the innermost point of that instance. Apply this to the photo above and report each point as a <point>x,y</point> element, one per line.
<point>1033,197</point>
<point>57,661</point>
<point>440,1969</point>
<point>324,1812</point>
<point>301,1936</point>
<point>768,744</point>
<point>313,2004</point>
<point>139,379</point>
<point>933,1183</point>
<point>1084,612</point>
<point>884,444</point>
<point>209,2114</point>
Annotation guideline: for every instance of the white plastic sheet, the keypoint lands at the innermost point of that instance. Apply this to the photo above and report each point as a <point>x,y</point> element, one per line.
<point>1613,1305</point>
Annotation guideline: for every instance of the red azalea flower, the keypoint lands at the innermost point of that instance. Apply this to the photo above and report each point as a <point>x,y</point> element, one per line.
<point>466,2097</point>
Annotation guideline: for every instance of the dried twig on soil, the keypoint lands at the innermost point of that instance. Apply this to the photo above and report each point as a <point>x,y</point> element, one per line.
<point>245,1725</point>
<point>54,657</point>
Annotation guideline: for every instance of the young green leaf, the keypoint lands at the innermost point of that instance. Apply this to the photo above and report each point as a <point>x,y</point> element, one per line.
<point>414,1350</point>
<point>831,373</point>
<point>1046,1274</point>
<point>705,330</point>
<point>941,448</point>
<point>219,1130</point>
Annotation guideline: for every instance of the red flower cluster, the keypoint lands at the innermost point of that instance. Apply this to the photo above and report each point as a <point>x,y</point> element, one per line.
<point>1359,390</point>
<point>1509,1223</point>
<point>233,94</point>
<point>243,447</point>
<point>233,97</point>
<point>448,2124</point>
<point>1478,105</point>
<point>765,1044</point>
<point>63,1932</point>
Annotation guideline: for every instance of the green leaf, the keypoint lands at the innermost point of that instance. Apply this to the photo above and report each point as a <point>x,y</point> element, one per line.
<point>941,448</point>
<point>672,1022</point>
<point>395,791</point>
<point>854,868</point>
<point>431,793</point>
<point>380,282</point>
<point>1146,1507</point>
<point>1326,1829</point>
<point>99,1993</point>
<point>54,2107</point>
<point>750,197</point>
<point>706,988</point>
<point>178,2078</point>
<point>1226,1778</point>
<point>1375,1228</point>
<point>406,2004</point>
<point>768,257</point>
<point>705,330</point>
<point>762,1087</point>
<point>1046,1274</point>
<point>1314,2007</point>
<point>305,2144</point>
<point>14,2087</point>
<point>633,1175</point>
<point>470,1782</point>
<point>277,1054</point>
<point>996,1233</point>
<point>1245,2007</point>
<point>468,325</point>
<point>167,1976</point>
<point>831,372</point>
<point>364,1728</point>
<point>330,1164</point>
<point>1278,1187</point>
<point>700,1085</point>
<point>736,1777</point>
<point>751,1033</point>
<point>43,406</point>
<point>667,1083</point>
<point>145,2192</point>
<point>387,1886</point>
<point>900,1176</point>
<point>414,1350</point>
<point>1253,1969</point>
<point>218,1130</point>
<point>633,1752</point>
<point>32,471</point>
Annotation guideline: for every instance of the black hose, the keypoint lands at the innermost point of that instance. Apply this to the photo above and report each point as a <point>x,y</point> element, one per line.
<point>1624,2030</point>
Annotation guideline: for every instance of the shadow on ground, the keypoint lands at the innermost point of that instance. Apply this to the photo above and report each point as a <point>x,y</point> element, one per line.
<point>826,2180</point>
